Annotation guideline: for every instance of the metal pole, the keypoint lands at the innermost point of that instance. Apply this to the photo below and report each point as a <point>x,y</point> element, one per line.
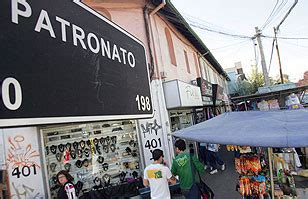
<point>246,106</point>
<point>263,63</point>
<point>278,55</point>
<point>271,170</point>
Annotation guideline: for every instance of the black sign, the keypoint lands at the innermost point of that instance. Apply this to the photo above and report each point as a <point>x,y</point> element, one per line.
<point>205,86</point>
<point>217,92</point>
<point>63,62</point>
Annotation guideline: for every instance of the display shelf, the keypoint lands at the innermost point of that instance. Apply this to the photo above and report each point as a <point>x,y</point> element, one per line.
<point>92,151</point>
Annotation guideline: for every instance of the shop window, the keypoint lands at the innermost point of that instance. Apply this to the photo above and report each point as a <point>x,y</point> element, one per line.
<point>187,62</point>
<point>98,155</point>
<point>170,46</point>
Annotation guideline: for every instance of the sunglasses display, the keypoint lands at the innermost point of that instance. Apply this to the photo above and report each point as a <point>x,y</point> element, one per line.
<point>98,158</point>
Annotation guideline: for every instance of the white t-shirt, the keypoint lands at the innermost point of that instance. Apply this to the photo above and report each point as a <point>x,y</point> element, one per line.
<point>158,175</point>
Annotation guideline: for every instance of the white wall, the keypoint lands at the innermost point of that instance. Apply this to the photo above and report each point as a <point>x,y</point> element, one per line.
<point>180,44</point>
<point>23,159</point>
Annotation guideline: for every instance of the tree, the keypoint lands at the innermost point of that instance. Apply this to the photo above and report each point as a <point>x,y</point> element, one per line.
<point>244,88</point>
<point>285,79</point>
<point>256,79</point>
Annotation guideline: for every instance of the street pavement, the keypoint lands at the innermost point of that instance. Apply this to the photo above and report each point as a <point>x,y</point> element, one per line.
<point>224,182</point>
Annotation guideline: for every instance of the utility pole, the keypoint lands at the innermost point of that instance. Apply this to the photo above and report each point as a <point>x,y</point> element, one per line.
<point>263,63</point>
<point>278,55</point>
<point>275,31</point>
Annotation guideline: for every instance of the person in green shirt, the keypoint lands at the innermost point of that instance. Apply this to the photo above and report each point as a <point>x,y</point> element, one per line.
<point>181,166</point>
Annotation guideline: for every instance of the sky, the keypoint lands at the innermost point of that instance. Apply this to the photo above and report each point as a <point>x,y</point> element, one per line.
<point>240,17</point>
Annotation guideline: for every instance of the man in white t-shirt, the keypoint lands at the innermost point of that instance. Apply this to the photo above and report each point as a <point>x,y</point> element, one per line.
<point>157,176</point>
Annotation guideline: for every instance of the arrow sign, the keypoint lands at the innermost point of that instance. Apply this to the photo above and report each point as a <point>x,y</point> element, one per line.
<point>63,62</point>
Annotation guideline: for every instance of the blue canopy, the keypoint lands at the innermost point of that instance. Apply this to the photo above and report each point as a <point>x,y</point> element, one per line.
<point>283,128</point>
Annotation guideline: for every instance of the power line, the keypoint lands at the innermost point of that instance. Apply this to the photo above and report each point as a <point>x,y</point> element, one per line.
<point>287,14</point>
<point>275,13</point>
<point>266,36</point>
<point>230,45</point>
<point>218,32</point>
<point>269,17</point>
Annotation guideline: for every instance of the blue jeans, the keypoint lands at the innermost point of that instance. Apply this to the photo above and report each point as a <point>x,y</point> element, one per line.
<point>215,159</point>
<point>192,193</point>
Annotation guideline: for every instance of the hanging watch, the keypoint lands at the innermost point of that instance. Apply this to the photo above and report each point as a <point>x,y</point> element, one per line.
<point>106,149</point>
<point>59,157</point>
<point>68,146</point>
<point>85,162</point>
<point>53,149</point>
<point>87,152</point>
<point>128,150</point>
<point>47,150</point>
<point>112,147</point>
<point>67,167</point>
<point>89,143</point>
<point>61,148</point>
<point>53,167</point>
<point>132,143</point>
<point>97,182</point>
<point>100,159</point>
<point>114,139</point>
<point>95,141</point>
<point>98,149</point>
<point>106,179</point>
<point>73,154</point>
<point>102,141</point>
<point>108,140</point>
<point>78,163</point>
<point>79,185</point>
<point>75,145</point>
<point>54,179</point>
<point>79,153</point>
<point>105,166</point>
<point>82,144</point>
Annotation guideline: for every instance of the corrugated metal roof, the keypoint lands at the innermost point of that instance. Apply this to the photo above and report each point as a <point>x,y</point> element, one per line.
<point>175,18</point>
<point>269,94</point>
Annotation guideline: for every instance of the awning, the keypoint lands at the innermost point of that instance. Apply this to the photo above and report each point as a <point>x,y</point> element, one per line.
<point>283,128</point>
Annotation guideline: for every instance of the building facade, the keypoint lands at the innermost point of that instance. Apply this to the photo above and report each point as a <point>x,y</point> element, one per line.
<point>113,153</point>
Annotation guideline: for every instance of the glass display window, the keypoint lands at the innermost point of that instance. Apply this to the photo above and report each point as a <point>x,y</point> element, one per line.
<point>98,155</point>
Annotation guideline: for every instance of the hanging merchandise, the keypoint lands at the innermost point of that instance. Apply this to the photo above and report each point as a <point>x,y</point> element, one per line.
<point>102,157</point>
<point>252,166</point>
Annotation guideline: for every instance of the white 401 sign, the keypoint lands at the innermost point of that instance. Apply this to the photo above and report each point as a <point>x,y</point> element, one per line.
<point>8,83</point>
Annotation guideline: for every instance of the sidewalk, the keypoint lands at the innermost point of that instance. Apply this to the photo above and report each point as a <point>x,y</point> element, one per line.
<point>224,182</point>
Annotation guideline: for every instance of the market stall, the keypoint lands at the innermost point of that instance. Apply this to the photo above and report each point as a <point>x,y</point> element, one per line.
<point>282,129</point>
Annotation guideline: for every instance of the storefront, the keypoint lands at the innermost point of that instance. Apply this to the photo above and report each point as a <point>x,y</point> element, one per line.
<point>98,155</point>
<point>205,113</point>
<point>181,99</point>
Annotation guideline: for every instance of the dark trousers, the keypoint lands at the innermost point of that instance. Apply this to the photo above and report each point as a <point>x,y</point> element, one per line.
<point>215,159</point>
<point>204,155</point>
<point>192,193</point>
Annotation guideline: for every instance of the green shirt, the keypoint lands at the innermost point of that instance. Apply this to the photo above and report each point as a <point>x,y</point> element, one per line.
<point>182,168</point>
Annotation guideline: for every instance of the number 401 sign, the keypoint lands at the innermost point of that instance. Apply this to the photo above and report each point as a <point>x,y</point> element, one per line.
<point>24,171</point>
